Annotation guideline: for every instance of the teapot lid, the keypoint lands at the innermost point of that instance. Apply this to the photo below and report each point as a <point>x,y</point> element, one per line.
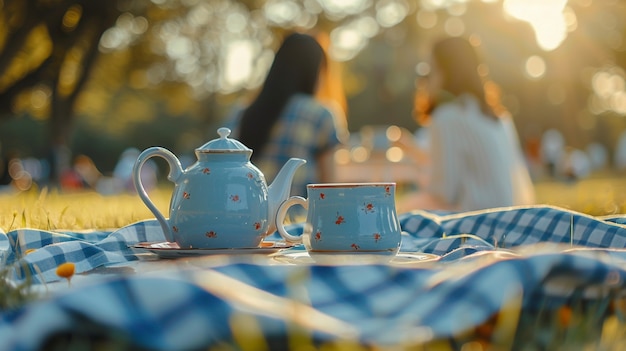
<point>224,144</point>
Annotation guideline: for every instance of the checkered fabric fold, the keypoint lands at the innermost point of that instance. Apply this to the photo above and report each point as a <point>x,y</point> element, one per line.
<point>490,260</point>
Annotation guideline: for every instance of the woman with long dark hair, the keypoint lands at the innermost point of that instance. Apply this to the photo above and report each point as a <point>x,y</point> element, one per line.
<point>474,153</point>
<point>286,120</point>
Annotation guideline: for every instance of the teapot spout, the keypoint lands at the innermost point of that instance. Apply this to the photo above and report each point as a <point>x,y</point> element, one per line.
<point>280,188</point>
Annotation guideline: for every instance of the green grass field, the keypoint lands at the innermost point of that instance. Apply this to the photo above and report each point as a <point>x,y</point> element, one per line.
<point>44,209</point>
<point>596,196</point>
<point>50,209</point>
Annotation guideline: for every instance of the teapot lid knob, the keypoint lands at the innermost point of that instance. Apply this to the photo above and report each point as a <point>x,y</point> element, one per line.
<point>224,144</point>
<point>223,132</point>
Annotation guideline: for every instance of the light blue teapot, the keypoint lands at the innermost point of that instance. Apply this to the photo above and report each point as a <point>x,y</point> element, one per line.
<point>222,200</point>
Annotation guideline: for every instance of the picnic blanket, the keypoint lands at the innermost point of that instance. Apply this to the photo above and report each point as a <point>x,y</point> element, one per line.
<point>488,260</point>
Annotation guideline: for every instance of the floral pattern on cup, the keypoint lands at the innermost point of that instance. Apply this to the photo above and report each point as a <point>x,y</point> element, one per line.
<point>337,215</point>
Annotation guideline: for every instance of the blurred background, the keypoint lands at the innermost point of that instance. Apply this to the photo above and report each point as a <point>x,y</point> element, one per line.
<point>85,85</point>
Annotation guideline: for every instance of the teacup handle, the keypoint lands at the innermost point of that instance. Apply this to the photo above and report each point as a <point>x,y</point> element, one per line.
<point>282,213</point>
<point>175,171</point>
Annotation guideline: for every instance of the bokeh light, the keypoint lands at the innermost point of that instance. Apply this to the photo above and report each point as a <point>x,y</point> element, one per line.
<point>346,43</point>
<point>557,61</point>
<point>394,154</point>
<point>391,12</point>
<point>546,17</point>
<point>535,67</point>
<point>422,69</point>
<point>342,8</point>
<point>360,154</point>
<point>342,156</point>
<point>71,17</point>
<point>426,19</point>
<point>454,26</point>
<point>393,133</point>
<point>609,88</point>
<point>238,63</point>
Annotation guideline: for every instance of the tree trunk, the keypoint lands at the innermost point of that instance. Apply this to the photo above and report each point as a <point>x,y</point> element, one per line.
<point>97,17</point>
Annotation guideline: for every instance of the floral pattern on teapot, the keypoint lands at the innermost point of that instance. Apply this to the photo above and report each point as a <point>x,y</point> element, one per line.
<point>220,201</point>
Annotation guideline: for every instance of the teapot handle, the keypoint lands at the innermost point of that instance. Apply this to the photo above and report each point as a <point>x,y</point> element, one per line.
<point>175,171</point>
<point>282,213</point>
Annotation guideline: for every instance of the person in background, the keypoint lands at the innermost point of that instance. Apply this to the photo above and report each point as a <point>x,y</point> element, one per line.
<point>123,172</point>
<point>87,171</point>
<point>474,156</point>
<point>286,119</point>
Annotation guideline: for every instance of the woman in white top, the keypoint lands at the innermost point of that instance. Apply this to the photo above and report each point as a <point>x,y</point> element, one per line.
<point>474,156</point>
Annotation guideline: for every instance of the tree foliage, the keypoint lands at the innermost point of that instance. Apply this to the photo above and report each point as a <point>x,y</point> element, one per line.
<point>48,51</point>
<point>163,72</point>
<point>50,47</point>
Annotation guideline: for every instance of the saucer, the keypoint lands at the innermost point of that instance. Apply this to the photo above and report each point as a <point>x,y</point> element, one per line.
<point>400,259</point>
<point>166,249</point>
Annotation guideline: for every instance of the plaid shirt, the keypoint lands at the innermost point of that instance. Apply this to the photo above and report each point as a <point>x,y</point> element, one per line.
<point>305,130</point>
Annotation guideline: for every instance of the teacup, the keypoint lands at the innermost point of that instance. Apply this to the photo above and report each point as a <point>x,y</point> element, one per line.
<point>346,218</point>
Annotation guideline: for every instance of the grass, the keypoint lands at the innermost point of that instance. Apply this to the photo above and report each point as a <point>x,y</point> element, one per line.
<point>577,325</point>
<point>51,209</point>
<point>596,196</point>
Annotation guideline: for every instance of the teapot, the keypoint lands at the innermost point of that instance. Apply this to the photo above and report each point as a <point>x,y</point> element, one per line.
<point>220,201</point>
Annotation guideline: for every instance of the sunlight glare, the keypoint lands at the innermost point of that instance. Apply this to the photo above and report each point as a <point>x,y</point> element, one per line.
<point>238,62</point>
<point>546,17</point>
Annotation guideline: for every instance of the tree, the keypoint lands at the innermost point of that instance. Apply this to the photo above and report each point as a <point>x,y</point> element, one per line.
<point>50,47</point>
<point>121,65</point>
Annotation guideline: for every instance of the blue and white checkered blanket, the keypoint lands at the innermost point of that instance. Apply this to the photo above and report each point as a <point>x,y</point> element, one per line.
<point>488,260</point>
